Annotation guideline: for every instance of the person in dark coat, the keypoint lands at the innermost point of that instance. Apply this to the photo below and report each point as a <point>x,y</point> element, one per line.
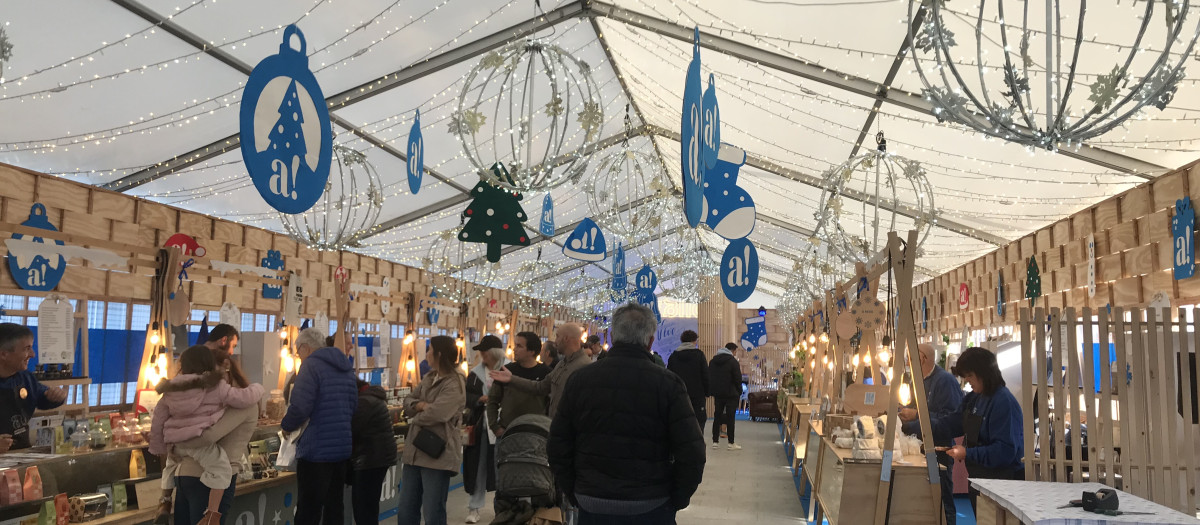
<point>325,396</point>
<point>689,364</point>
<point>725,382</point>
<point>989,421</point>
<point>479,460</point>
<point>624,444</point>
<point>373,452</point>
<point>943,397</point>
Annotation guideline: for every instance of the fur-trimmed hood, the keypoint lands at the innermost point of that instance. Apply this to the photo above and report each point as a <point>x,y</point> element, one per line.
<point>183,382</point>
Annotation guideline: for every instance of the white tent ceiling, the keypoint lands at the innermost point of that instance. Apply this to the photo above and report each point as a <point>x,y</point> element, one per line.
<point>143,95</point>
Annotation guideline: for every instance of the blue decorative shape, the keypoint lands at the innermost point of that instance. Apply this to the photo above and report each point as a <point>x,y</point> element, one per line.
<point>286,136</point>
<point>586,243</point>
<point>689,140</point>
<point>863,285</point>
<point>727,208</point>
<point>415,163</point>
<point>711,134</point>
<point>619,280</point>
<point>1000,294</point>
<point>432,314</point>
<point>1183,228</point>
<point>739,270</point>
<point>273,261</point>
<point>287,499</point>
<point>646,279</point>
<point>33,270</point>
<point>755,334</point>
<point>924,314</point>
<point>546,227</point>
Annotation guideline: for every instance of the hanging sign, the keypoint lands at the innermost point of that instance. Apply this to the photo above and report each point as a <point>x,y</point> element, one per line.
<point>619,281</point>
<point>287,138</point>
<point>31,269</point>
<point>924,313</point>
<point>1033,279</point>
<point>1183,232</point>
<point>1091,257</point>
<point>385,339</point>
<point>384,290</point>
<point>646,281</point>
<point>321,320</point>
<point>273,261</point>
<point>1000,294</point>
<point>964,296</point>
<point>727,208</point>
<point>689,139</point>
<point>293,300</point>
<point>586,243</point>
<point>711,134</point>
<point>755,334</point>
<point>739,270</point>
<point>415,164</point>
<point>546,227</point>
<point>56,331</point>
<point>432,313</point>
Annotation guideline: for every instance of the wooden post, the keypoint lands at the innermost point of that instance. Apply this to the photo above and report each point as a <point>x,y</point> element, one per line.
<point>1027,349</point>
<point>167,262</point>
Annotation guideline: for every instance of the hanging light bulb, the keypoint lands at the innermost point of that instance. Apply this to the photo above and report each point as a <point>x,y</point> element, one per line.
<point>812,339</point>
<point>855,360</point>
<point>283,353</point>
<point>460,343</point>
<point>410,365</point>
<point>583,337</point>
<point>463,366</point>
<point>507,327</point>
<point>288,363</point>
<point>884,356</point>
<point>499,326</point>
<point>824,359</point>
<point>408,337</point>
<point>905,393</point>
<point>889,375</point>
<point>283,332</point>
<point>812,364</point>
<point>824,338</point>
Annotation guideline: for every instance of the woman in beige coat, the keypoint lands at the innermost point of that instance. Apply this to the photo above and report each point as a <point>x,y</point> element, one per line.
<point>435,406</point>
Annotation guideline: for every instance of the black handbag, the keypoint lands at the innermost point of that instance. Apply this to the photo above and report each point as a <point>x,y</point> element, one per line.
<point>431,444</point>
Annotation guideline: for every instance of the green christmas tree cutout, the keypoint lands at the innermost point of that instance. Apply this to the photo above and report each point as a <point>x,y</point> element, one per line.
<point>1033,280</point>
<point>494,216</point>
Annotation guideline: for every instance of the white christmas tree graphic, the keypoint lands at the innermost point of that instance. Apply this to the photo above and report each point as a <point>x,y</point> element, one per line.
<point>287,144</point>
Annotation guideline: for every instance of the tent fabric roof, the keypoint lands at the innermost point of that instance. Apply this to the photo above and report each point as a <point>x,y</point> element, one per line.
<point>142,96</point>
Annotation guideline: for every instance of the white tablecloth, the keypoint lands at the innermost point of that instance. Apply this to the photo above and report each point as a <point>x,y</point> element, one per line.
<point>1037,502</point>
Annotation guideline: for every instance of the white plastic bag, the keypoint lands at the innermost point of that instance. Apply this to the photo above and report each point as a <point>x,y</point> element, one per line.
<point>286,460</point>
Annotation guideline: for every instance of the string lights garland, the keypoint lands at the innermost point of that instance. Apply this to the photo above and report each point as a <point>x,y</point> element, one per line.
<point>452,267</point>
<point>349,205</point>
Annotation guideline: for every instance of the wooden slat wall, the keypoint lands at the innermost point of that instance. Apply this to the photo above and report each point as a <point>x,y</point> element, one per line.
<point>109,216</point>
<point>1133,261</point>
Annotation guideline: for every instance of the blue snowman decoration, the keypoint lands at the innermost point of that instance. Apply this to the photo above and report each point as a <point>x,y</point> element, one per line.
<point>273,261</point>
<point>755,334</point>
<point>32,267</point>
<point>286,135</point>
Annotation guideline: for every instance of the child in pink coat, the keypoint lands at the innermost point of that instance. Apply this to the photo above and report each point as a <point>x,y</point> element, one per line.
<point>191,402</point>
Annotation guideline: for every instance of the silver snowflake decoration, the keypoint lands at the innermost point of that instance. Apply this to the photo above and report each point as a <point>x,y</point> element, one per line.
<point>590,118</point>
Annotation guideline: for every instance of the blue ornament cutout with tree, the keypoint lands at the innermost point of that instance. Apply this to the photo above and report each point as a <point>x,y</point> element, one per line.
<point>755,334</point>
<point>619,280</point>
<point>1000,294</point>
<point>273,261</point>
<point>739,270</point>
<point>31,265</point>
<point>415,164</point>
<point>286,135</point>
<point>586,243</point>
<point>728,209</point>
<point>546,227</point>
<point>690,127</point>
<point>1183,234</point>
<point>711,133</point>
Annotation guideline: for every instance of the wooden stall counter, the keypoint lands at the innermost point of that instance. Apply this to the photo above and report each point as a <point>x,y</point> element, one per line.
<point>847,488</point>
<point>795,422</point>
<point>1005,502</point>
<point>133,517</point>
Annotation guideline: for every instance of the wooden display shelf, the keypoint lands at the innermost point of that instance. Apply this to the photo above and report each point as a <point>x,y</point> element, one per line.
<point>135,516</point>
<point>845,485</point>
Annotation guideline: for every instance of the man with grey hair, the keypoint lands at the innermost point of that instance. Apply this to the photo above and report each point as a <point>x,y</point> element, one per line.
<point>325,396</point>
<point>624,445</point>
<point>569,342</point>
<point>944,396</point>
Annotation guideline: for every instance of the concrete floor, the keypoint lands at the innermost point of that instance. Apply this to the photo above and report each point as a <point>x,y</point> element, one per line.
<point>752,485</point>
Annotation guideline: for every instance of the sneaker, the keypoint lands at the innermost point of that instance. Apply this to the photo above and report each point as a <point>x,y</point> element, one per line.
<point>473,516</point>
<point>714,446</point>
<point>734,447</point>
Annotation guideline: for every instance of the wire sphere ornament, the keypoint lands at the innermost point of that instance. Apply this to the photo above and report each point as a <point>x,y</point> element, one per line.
<point>535,288</point>
<point>1015,82</point>
<point>617,195</point>
<point>348,209</point>
<point>459,271</point>
<point>533,106</point>
<point>682,268</point>
<point>868,196</point>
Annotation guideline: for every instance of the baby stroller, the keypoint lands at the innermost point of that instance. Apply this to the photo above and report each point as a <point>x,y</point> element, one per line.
<point>524,482</point>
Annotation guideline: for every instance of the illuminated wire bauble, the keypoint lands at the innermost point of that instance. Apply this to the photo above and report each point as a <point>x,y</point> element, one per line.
<point>347,210</point>
<point>535,288</point>
<point>868,196</point>
<point>618,192</point>
<point>1009,68</point>
<point>682,267</point>
<point>459,270</point>
<point>534,107</point>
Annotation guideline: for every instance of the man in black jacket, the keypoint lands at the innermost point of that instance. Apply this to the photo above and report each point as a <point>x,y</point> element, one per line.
<point>624,445</point>
<point>726,384</point>
<point>689,364</point>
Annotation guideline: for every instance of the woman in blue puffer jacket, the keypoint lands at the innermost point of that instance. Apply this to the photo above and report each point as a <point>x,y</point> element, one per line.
<point>325,396</point>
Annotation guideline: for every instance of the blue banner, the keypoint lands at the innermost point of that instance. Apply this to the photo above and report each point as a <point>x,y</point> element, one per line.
<point>416,155</point>
<point>689,140</point>
<point>739,270</point>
